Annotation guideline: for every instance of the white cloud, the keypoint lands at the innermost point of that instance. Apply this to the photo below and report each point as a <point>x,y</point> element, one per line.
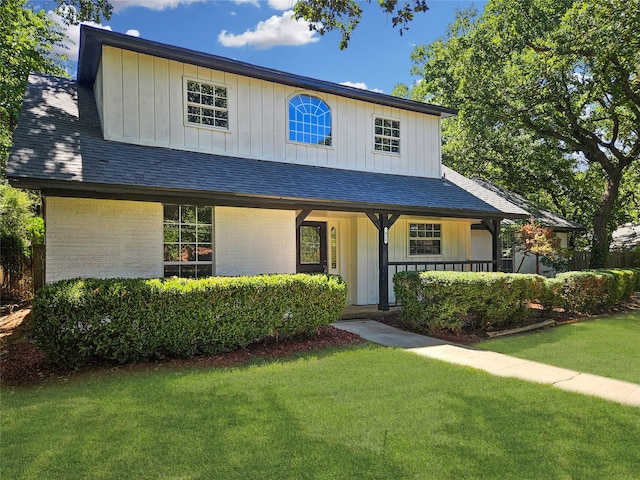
<point>70,45</point>
<point>361,86</point>
<point>282,30</point>
<point>252,2</point>
<point>282,4</point>
<point>119,5</point>
<point>275,4</point>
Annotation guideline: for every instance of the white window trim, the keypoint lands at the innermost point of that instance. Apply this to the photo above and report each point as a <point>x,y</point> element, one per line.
<point>196,262</point>
<point>185,104</point>
<point>409,238</point>
<point>375,117</point>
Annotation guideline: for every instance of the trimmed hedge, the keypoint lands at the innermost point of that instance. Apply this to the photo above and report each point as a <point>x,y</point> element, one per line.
<point>128,320</point>
<point>441,301</point>
<point>590,291</point>
<point>450,300</point>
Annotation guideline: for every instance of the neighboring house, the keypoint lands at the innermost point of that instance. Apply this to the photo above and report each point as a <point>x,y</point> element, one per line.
<point>626,237</point>
<point>512,259</point>
<point>162,161</point>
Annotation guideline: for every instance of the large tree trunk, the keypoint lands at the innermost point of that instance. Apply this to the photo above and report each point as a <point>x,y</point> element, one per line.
<point>601,240</point>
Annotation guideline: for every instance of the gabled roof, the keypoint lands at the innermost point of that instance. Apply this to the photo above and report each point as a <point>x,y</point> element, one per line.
<point>92,39</point>
<point>58,148</point>
<point>510,202</point>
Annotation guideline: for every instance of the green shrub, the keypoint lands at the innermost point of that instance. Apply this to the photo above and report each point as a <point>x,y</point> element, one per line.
<point>126,320</point>
<point>590,291</point>
<point>450,300</point>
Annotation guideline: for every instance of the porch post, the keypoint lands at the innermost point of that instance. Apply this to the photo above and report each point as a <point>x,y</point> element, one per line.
<point>383,264</point>
<point>496,248</point>
<point>383,223</point>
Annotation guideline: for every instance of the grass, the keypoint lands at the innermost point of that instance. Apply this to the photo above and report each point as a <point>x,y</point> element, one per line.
<point>607,346</point>
<point>363,412</point>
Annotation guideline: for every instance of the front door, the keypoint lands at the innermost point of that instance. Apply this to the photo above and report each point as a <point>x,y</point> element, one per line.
<point>312,247</point>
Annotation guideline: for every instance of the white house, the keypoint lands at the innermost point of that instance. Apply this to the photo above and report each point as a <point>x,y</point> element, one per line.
<point>162,161</point>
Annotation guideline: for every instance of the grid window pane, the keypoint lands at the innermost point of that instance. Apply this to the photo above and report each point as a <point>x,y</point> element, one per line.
<point>386,135</point>
<point>309,120</point>
<point>188,247</point>
<point>425,239</point>
<point>207,104</point>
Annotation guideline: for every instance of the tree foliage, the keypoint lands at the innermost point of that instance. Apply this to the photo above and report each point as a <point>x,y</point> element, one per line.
<point>538,240</point>
<point>548,93</point>
<point>27,38</point>
<point>344,15</point>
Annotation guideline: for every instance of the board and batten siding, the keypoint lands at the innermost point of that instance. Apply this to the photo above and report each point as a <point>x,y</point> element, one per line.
<point>141,101</point>
<point>456,246</point>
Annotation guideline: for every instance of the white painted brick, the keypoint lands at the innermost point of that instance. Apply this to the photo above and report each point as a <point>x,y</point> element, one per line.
<point>102,238</point>
<point>251,241</point>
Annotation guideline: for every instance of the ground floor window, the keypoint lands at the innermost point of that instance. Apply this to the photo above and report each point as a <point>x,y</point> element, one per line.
<point>188,241</point>
<point>425,239</point>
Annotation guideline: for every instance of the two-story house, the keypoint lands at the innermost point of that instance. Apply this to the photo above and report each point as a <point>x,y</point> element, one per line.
<point>162,161</point>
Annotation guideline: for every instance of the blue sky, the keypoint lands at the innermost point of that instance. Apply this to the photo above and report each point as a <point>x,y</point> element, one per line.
<point>261,32</point>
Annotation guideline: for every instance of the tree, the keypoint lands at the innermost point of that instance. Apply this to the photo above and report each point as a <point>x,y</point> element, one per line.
<point>548,93</point>
<point>344,15</point>
<point>539,241</point>
<point>27,38</point>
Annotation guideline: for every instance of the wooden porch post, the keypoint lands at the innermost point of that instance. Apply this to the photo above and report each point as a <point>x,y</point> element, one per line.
<point>383,223</point>
<point>496,248</point>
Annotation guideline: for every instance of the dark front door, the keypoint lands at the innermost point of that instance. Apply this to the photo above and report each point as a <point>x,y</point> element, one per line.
<point>312,247</point>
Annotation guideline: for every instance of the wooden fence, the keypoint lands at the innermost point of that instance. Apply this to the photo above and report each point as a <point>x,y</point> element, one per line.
<point>580,260</point>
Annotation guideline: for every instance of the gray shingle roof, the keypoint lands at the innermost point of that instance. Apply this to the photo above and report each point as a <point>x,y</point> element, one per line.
<point>510,202</point>
<point>58,145</point>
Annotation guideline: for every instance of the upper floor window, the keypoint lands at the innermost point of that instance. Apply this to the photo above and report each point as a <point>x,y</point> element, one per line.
<point>425,239</point>
<point>386,135</point>
<point>206,104</point>
<point>309,120</point>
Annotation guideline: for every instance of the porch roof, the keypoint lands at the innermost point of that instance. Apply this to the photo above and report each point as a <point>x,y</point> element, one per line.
<point>59,149</point>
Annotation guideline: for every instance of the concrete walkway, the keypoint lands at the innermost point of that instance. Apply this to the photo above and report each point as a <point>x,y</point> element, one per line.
<point>495,363</point>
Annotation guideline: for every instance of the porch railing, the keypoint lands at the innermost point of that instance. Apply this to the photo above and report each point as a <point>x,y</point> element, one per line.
<point>459,266</point>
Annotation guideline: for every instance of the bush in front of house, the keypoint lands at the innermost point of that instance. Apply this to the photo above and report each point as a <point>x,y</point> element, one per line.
<point>448,301</point>
<point>126,320</point>
<point>444,300</point>
<point>590,291</point>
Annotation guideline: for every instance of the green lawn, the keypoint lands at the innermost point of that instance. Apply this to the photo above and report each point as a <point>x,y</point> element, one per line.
<point>607,346</point>
<point>362,412</point>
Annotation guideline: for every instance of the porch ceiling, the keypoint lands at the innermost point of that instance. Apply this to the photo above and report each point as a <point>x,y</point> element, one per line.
<point>59,149</point>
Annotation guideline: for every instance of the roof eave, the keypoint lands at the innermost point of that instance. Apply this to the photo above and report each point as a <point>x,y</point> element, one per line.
<point>138,193</point>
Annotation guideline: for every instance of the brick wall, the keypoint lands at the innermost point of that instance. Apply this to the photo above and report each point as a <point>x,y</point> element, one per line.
<point>251,241</point>
<point>102,238</point>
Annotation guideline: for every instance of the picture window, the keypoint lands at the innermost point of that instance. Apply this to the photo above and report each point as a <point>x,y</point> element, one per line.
<point>309,120</point>
<point>188,241</point>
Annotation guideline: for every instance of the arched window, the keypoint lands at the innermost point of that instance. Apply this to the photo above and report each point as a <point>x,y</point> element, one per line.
<point>309,120</point>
